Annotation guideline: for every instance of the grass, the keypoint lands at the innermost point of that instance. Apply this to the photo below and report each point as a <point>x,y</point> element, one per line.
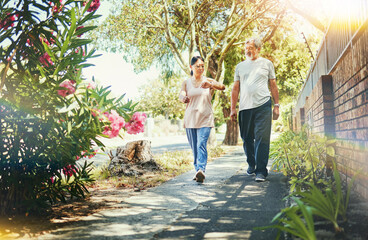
<point>172,164</point>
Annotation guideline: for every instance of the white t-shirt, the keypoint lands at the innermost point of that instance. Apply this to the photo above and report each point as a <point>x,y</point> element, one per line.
<point>253,77</point>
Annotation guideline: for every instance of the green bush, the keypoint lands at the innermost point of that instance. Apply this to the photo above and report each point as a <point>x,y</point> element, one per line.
<point>49,115</point>
<point>296,220</point>
<point>302,157</point>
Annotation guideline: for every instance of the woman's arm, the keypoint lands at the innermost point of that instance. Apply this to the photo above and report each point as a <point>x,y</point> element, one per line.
<point>212,84</point>
<point>183,93</point>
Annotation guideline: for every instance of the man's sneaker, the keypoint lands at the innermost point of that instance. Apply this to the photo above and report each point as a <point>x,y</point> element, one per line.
<point>260,177</point>
<point>251,170</point>
<point>195,177</point>
<point>200,176</point>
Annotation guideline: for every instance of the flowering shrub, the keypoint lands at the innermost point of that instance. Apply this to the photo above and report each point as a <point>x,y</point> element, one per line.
<point>136,124</point>
<point>49,116</point>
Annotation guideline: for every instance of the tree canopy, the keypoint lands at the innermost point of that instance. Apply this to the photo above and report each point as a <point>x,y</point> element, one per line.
<point>160,31</point>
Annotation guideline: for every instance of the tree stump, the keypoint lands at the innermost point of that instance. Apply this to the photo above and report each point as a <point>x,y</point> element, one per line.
<point>133,159</point>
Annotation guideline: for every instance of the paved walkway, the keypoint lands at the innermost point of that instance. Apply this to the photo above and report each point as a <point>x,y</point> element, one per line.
<point>228,205</point>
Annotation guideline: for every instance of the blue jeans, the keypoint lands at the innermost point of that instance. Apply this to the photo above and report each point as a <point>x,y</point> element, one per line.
<point>255,131</point>
<point>197,138</point>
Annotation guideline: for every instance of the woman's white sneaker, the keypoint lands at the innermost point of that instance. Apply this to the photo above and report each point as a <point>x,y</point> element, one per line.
<point>200,176</point>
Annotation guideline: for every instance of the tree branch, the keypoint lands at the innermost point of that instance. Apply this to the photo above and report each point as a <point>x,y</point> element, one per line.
<point>314,21</point>
<point>278,22</point>
<point>170,41</point>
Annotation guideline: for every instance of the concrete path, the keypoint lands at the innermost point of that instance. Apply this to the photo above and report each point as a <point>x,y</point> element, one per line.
<point>226,206</point>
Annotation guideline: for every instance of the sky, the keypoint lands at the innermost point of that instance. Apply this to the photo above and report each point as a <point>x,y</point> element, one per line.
<point>111,69</point>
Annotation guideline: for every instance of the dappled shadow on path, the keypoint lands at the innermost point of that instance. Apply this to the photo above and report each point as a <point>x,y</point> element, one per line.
<point>236,209</point>
<point>229,211</point>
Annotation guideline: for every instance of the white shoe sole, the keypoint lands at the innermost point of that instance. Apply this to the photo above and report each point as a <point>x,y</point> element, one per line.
<point>260,179</point>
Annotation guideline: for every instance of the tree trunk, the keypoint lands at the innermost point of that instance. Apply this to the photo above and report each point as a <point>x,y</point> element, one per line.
<point>232,132</point>
<point>134,159</point>
<point>232,129</point>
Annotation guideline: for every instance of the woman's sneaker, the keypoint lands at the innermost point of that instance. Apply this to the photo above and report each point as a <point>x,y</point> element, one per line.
<point>200,176</point>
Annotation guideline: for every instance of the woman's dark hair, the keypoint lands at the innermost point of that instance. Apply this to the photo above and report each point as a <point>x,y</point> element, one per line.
<point>193,61</point>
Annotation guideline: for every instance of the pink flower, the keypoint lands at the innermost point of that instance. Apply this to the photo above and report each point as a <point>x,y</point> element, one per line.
<point>91,85</point>
<point>69,170</point>
<point>95,4</point>
<point>83,52</point>
<point>55,8</point>
<point>110,132</point>
<point>136,123</point>
<point>70,89</point>
<point>29,42</point>
<point>8,21</point>
<point>45,59</point>
<point>116,123</point>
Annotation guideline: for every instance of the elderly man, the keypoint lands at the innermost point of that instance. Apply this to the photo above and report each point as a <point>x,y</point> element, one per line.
<point>251,80</point>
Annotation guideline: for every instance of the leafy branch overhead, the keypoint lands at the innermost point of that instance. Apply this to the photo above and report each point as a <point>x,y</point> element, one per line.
<point>157,32</point>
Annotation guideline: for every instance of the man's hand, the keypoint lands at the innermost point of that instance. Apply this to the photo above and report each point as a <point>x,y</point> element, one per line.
<point>233,115</point>
<point>275,113</point>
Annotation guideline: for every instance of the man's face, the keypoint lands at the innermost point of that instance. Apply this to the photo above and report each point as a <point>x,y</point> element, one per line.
<point>251,51</point>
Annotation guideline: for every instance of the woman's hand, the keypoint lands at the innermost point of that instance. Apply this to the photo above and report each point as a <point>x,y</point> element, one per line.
<point>186,99</point>
<point>206,84</point>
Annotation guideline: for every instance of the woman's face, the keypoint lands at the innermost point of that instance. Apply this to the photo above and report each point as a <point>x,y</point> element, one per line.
<point>198,67</point>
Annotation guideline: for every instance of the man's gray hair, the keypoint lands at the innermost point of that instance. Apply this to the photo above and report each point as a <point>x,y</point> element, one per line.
<point>257,42</point>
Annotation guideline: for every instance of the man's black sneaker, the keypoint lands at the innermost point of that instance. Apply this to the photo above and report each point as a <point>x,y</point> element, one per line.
<point>251,170</point>
<point>260,177</point>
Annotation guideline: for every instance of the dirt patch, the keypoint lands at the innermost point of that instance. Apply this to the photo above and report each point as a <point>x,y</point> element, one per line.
<point>63,214</point>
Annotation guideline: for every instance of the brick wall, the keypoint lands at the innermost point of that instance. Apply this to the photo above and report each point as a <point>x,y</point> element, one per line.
<point>338,107</point>
<point>350,90</point>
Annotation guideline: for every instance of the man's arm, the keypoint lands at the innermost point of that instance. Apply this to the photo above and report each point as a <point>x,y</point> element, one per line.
<point>234,100</point>
<point>275,96</point>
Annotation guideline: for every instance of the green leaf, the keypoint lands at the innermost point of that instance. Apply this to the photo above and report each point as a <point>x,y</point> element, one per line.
<point>69,127</point>
<point>83,30</point>
<point>79,42</point>
<point>330,151</point>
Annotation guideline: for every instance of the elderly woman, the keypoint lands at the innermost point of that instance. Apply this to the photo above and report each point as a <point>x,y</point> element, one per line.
<point>197,93</point>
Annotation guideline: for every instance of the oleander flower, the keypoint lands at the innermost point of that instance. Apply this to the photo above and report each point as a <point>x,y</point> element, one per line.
<point>91,85</point>
<point>116,124</point>
<point>136,123</point>
<point>8,21</point>
<point>69,170</point>
<point>46,60</point>
<point>70,89</point>
<point>95,4</point>
<point>55,8</point>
